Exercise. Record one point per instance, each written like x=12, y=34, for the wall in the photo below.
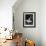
x=43, y=22
x=28, y=6
x=6, y=13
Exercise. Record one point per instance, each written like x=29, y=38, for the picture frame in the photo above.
x=13, y=22
x=29, y=19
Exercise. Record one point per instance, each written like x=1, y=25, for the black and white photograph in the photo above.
x=29, y=19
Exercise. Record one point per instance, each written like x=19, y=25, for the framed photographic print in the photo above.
x=29, y=19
